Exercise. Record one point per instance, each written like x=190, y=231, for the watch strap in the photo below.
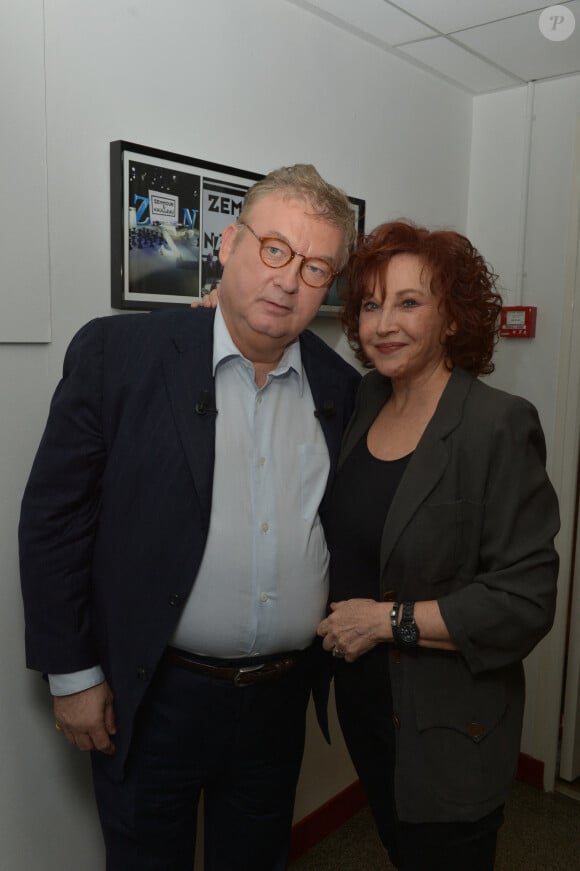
x=406, y=631
x=394, y=616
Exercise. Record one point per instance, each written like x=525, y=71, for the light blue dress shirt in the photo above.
x=263, y=583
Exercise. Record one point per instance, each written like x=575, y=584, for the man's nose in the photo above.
x=288, y=276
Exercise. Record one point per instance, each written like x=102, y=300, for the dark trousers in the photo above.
x=242, y=746
x=365, y=714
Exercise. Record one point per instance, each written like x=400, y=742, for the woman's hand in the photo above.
x=354, y=627
x=210, y=300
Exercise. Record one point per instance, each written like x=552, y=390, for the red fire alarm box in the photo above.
x=518, y=321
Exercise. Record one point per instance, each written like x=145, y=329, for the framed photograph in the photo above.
x=167, y=216
x=331, y=305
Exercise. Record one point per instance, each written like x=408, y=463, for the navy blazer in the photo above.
x=472, y=524
x=116, y=512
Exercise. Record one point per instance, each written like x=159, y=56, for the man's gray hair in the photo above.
x=303, y=181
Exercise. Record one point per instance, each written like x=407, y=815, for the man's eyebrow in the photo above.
x=276, y=234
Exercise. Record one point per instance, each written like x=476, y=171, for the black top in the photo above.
x=354, y=520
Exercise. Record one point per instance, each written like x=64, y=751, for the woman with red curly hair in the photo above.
x=443, y=568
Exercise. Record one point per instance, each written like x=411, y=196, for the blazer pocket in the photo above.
x=467, y=755
x=441, y=535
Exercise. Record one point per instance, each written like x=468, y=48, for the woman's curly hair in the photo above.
x=458, y=275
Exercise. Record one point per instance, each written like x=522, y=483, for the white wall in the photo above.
x=23, y=213
x=499, y=217
x=250, y=83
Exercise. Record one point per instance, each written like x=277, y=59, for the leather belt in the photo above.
x=245, y=676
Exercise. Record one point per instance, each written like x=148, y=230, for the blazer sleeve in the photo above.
x=509, y=606
x=59, y=515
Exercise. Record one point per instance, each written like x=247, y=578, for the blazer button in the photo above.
x=396, y=721
x=142, y=673
x=390, y=596
x=475, y=731
x=174, y=599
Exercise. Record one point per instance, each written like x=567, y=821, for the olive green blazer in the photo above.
x=472, y=525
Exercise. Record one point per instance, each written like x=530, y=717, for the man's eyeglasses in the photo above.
x=274, y=252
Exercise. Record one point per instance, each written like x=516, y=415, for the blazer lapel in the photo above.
x=328, y=396
x=428, y=462
x=430, y=458
x=424, y=470
x=187, y=367
x=372, y=395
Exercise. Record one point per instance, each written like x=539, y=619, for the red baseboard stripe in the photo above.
x=341, y=807
x=530, y=771
x=326, y=819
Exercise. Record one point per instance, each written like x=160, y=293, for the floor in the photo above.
x=572, y=790
x=541, y=833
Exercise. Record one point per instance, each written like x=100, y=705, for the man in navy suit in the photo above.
x=173, y=564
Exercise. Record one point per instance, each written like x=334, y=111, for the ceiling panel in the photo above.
x=491, y=44
x=374, y=17
x=456, y=63
x=448, y=16
x=517, y=45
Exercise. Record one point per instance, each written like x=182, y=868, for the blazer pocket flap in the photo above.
x=453, y=698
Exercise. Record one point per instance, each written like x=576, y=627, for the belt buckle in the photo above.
x=242, y=672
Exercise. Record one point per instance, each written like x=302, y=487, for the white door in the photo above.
x=570, y=746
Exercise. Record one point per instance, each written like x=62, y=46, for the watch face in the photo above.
x=408, y=633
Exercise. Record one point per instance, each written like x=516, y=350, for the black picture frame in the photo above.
x=167, y=214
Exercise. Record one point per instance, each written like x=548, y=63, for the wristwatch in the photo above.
x=405, y=633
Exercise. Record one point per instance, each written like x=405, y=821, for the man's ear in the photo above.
x=229, y=235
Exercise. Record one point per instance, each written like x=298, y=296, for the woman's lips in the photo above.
x=389, y=347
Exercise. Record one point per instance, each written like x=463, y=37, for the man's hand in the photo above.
x=87, y=719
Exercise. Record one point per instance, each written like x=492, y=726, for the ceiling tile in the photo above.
x=492, y=44
x=448, y=16
x=458, y=64
x=373, y=17
x=518, y=46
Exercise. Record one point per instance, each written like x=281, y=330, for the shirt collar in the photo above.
x=225, y=349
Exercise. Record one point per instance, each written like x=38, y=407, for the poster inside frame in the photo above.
x=331, y=304
x=167, y=215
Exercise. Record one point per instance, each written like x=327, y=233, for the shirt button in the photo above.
x=174, y=599
x=262, y=460
x=142, y=673
x=396, y=721
x=264, y=527
x=263, y=597
x=259, y=399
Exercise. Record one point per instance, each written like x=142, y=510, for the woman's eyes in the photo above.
x=371, y=305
